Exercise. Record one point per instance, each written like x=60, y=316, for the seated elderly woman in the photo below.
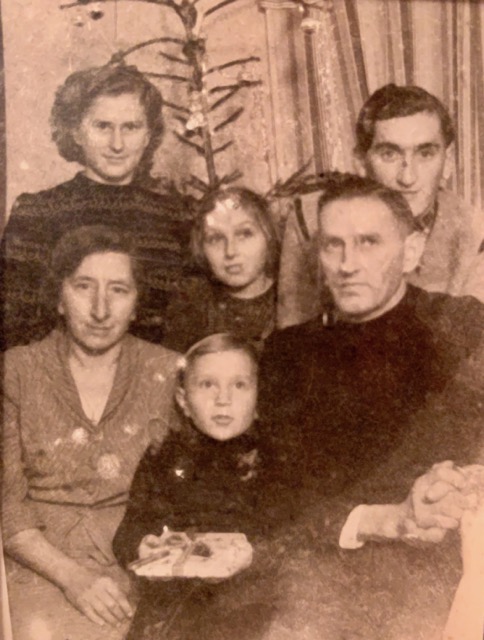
x=80, y=408
x=108, y=120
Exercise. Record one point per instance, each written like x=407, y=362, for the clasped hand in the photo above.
x=436, y=503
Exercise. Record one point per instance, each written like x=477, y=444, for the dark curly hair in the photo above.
x=76, y=95
x=392, y=101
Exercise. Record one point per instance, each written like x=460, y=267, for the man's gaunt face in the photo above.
x=409, y=155
x=364, y=253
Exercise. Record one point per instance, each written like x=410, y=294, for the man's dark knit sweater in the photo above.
x=37, y=222
x=400, y=392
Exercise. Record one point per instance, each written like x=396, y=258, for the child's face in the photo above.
x=220, y=394
x=236, y=250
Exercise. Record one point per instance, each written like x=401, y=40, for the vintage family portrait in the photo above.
x=242, y=320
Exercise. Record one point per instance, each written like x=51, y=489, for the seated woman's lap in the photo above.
x=39, y=609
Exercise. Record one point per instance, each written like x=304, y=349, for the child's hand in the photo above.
x=148, y=546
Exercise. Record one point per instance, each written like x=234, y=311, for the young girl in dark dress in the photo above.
x=235, y=241
x=214, y=476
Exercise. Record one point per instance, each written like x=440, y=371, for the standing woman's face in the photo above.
x=113, y=135
x=98, y=301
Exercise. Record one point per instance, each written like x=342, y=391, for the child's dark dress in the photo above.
x=202, y=307
x=195, y=482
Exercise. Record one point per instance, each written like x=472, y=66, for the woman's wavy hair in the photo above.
x=79, y=243
x=76, y=95
x=252, y=203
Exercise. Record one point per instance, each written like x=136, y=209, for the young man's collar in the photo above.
x=425, y=221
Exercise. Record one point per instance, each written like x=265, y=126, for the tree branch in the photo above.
x=122, y=54
x=200, y=150
x=231, y=91
x=175, y=107
x=199, y=184
x=84, y=3
x=232, y=118
x=223, y=147
x=224, y=98
x=220, y=67
x=218, y=6
x=166, y=76
x=241, y=83
x=167, y=56
x=235, y=175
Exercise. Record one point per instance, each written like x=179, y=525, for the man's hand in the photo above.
x=98, y=597
x=436, y=503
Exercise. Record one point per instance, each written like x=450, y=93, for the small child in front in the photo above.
x=211, y=476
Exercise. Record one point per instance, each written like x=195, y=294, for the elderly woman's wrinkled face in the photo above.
x=98, y=301
x=113, y=135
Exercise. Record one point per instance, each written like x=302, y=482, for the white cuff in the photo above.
x=348, y=538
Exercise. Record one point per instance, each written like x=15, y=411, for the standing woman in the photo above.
x=109, y=120
x=80, y=408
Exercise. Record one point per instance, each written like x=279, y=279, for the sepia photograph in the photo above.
x=242, y=319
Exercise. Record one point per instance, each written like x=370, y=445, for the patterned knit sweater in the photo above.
x=37, y=222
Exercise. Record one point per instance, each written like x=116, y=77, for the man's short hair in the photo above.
x=79, y=243
x=392, y=101
x=346, y=186
x=76, y=95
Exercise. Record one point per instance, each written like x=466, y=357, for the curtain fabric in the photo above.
x=354, y=47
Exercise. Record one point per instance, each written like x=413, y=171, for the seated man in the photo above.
x=366, y=397
x=405, y=141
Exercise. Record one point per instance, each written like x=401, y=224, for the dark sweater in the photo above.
x=363, y=409
x=37, y=222
x=202, y=307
